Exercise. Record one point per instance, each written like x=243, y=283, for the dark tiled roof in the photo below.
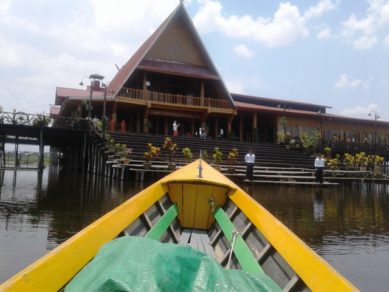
x=73, y=93
x=259, y=100
x=177, y=69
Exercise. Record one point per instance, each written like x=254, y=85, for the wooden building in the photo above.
x=171, y=77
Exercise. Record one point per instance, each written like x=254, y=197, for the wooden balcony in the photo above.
x=138, y=96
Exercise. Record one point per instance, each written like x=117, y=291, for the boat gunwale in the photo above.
x=103, y=229
x=291, y=248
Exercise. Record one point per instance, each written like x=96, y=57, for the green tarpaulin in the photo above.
x=140, y=264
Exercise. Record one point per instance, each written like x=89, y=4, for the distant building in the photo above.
x=172, y=77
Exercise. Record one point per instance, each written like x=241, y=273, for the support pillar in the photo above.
x=165, y=126
x=254, y=130
x=83, y=154
x=216, y=128
x=145, y=86
x=145, y=122
x=241, y=128
x=114, y=116
x=192, y=127
x=202, y=93
x=41, y=150
x=254, y=123
x=229, y=126
x=16, y=163
x=138, y=122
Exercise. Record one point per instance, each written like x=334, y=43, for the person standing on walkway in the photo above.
x=319, y=166
x=175, y=129
x=221, y=133
x=250, y=161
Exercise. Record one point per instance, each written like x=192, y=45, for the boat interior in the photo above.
x=216, y=226
x=199, y=207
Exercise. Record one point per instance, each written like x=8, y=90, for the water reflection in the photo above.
x=349, y=226
x=39, y=210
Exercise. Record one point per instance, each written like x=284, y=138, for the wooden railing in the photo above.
x=175, y=99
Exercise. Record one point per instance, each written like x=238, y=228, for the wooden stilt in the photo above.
x=41, y=163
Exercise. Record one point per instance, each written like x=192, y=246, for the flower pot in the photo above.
x=125, y=160
x=147, y=165
x=171, y=166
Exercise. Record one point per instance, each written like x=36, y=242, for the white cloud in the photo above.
x=4, y=5
x=285, y=27
x=324, y=34
x=243, y=51
x=366, y=32
x=387, y=40
x=365, y=42
x=360, y=111
x=345, y=82
x=9, y=54
x=40, y=53
x=322, y=7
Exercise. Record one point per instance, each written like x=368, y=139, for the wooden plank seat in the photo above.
x=197, y=239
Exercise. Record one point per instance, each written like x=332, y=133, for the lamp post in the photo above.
x=321, y=113
x=93, y=78
x=104, y=119
x=376, y=117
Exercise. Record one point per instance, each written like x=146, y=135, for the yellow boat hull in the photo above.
x=196, y=199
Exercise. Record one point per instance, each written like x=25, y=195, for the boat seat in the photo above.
x=197, y=239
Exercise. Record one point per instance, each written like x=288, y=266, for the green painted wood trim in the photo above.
x=163, y=223
x=242, y=252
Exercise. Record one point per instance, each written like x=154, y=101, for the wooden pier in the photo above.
x=134, y=169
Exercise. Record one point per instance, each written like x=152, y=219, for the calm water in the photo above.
x=348, y=226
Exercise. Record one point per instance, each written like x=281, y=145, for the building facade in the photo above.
x=171, y=77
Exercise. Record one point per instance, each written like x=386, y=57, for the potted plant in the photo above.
x=281, y=137
x=171, y=148
x=232, y=156
x=151, y=152
x=287, y=137
x=332, y=164
x=361, y=160
x=349, y=161
x=327, y=152
x=378, y=162
x=124, y=154
x=217, y=157
x=187, y=154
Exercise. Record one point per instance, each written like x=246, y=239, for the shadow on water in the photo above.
x=348, y=226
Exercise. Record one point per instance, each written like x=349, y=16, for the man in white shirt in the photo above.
x=319, y=165
x=250, y=161
x=221, y=133
x=175, y=129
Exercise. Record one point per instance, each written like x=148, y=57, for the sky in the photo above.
x=327, y=52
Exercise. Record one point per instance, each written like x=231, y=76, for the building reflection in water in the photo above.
x=39, y=210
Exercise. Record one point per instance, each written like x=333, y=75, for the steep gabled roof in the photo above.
x=138, y=59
